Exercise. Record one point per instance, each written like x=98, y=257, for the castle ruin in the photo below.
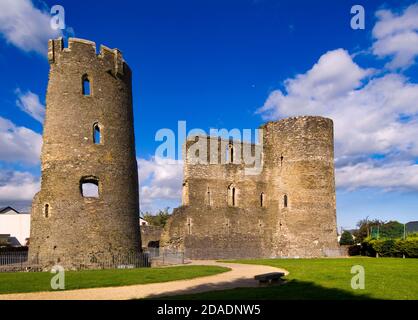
x=287, y=210
x=87, y=210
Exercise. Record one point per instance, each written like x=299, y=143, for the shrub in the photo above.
x=367, y=248
x=390, y=248
x=409, y=247
x=354, y=250
x=346, y=238
x=386, y=248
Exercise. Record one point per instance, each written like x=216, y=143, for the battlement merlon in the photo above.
x=231, y=140
x=87, y=47
x=217, y=146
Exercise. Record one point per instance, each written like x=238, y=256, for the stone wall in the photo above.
x=286, y=210
x=65, y=226
x=150, y=235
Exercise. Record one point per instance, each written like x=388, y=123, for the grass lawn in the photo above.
x=385, y=278
x=40, y=281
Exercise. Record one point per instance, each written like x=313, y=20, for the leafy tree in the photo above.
x=346, y=238
x=391, y=230
x=364, y=227
x=159, y=219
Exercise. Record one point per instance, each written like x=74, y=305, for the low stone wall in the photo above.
x=150, y=236
x=204, y=233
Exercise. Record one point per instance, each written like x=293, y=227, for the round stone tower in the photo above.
x=299, y=161
x=87, y=211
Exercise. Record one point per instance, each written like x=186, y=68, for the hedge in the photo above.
x=388, y=248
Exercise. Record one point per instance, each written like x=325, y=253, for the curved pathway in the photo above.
x=241, y=275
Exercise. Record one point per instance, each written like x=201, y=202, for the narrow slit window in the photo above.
x=86, y=86
x=46, y=210
x=89, y=187
x=189, y=225
x=231, y=154
x=227, y=154
x=262, y=200
x=232, y=196
x=208, y=197
x=185, y=196
x=97, y=135
x=285, y=200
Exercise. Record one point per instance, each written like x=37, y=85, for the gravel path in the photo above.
x=241, y=275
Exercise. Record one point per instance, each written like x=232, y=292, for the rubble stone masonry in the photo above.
x=288, y=210
x=89, y=97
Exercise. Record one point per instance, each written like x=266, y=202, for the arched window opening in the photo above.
x=285, y=201
x=46, y=210
x=153, y=244
x=229, y=153
x=89, y=187
x=97, y=135
x=86, y=86
x=262, y=199
x=232, y=196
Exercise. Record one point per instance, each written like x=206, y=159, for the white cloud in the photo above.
x=378, y=117
x=29, y=103
x=17, y=186
x=25, y=26
x=396, y=36
x=334, y=75
x=160, y=179
x=19, y=144
x=398, y=175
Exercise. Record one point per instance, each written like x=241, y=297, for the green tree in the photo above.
x=364, y=227
x=159, y=219
x=391, y=230
x=346, y=238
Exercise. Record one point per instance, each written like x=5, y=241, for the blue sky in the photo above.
x=234, y=64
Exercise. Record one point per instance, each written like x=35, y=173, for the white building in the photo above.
x=15, y=224
x=143, y=222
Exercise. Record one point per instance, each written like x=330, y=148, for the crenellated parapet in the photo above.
x=86, y=49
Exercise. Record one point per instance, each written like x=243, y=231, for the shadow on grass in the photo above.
x=246, y=289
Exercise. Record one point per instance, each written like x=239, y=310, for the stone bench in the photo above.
x=269, y=278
